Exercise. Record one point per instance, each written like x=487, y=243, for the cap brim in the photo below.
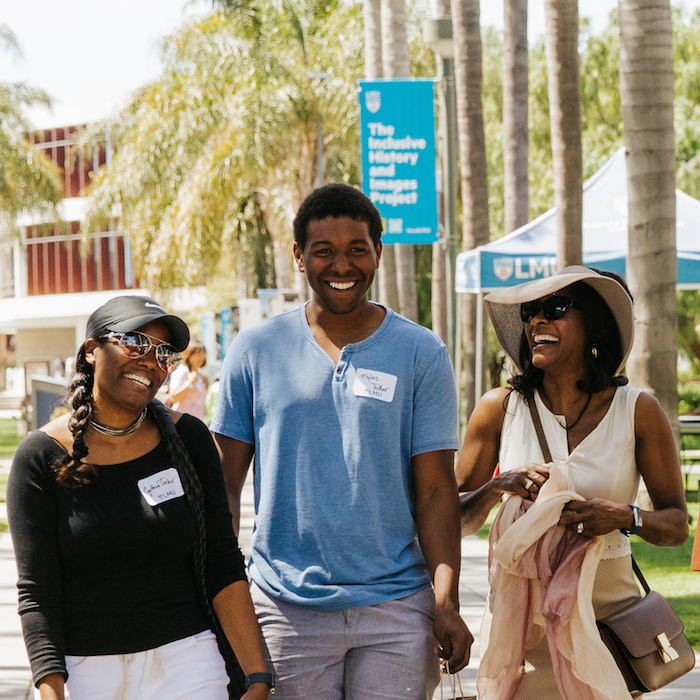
x=503, y=307
x=179, y=332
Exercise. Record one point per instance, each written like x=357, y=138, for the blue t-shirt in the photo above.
x=334, y=524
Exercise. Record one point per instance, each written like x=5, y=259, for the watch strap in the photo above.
x=636, y=528
x=258, y=678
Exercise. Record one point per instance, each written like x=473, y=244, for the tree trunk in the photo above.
x=396, y=64
x=388, y=289
x=515, y=127
x=440, y=270
x=646, y=89
x=472, y=155
x=561, y=45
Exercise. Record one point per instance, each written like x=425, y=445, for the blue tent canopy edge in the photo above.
x=530, y=252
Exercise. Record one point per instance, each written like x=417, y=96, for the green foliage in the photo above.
x=214, y=158
x=28, y=179
x=688, y=398
x=9, y=440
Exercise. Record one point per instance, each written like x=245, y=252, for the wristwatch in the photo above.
x=259, y=678
x=637, y=515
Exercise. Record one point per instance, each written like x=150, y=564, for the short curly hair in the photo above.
x=337, y=200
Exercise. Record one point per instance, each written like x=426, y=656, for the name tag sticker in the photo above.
x=374, y=385
x=161, y=487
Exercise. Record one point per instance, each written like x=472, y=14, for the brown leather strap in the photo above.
x=538, y=428
x=548, y=458
x=640, y=576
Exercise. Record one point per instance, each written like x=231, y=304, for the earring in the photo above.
x=594, y=351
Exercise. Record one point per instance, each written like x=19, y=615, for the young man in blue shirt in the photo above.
x=350, y=411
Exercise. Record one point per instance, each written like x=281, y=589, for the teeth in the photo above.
x=545, y=339
x=341, y=285
x=138, y=378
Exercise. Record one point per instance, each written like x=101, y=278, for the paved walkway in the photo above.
x=15, y=679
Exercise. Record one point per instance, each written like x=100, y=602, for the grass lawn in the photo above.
x=666, y=569
x=8, y=445
x=8, y=437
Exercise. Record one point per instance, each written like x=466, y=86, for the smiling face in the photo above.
x=557, y=343
x=126, y=383
x=339, y=260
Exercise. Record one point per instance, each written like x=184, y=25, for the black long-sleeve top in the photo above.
x=100, y=570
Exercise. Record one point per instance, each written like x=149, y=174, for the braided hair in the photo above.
x=180, y=458
x=72, y=471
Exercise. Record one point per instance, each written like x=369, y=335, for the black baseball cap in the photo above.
x=127, y=313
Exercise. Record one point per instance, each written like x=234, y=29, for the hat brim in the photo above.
x=503, y=307
x=179, y=332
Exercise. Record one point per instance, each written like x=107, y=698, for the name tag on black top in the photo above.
x=161, y=487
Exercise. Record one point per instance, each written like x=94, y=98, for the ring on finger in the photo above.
x=579, y=528
x=529, y=484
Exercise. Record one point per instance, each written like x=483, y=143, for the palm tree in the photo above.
x=388, y=289
x=472, y=153
x=561, y=44
x=515, y=126
x=29, y=181
x=397, y=64
x=215, y=157
x=646, y=87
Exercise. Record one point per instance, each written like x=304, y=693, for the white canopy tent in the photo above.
x=530, y=251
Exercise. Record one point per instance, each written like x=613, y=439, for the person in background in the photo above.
x=188, y=386
x=351, y=413
x=569, y=336
x=126, y=554
x=695, y=558
x=212, y=398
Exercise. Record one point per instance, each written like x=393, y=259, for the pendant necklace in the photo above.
x=119, y=432
x=580, y=415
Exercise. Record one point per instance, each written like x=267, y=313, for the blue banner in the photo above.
x=397, y=119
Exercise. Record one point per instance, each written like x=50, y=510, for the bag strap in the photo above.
x=530, y=401
x=548, y=458
x=182, y=461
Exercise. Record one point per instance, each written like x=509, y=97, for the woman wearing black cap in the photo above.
x=567, y=562
x=122, y=533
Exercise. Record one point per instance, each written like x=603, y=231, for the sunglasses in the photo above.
x=553, y=308
x=136, y=344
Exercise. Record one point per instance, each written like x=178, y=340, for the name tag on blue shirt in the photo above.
x=161, y=487
x=374, y=385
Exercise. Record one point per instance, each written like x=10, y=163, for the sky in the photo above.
x=88, y=55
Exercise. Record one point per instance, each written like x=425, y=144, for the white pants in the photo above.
x=188, y=668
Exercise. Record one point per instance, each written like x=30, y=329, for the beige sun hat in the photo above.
x=504, y=306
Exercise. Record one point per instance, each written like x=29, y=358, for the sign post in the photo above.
x=398, y=156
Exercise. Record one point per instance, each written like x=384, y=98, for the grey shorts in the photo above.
x=380, y=651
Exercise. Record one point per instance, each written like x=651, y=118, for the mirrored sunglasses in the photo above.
x=553, y=308
x=136, y=344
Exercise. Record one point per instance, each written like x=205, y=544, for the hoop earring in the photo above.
x=594, y=351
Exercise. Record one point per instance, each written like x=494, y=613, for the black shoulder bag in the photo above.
x=194, y=494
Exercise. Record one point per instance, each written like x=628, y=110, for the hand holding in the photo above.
x=595, y=516
x=525, y=482
x=454, y=638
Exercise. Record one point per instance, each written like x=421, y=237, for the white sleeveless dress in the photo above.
x=603, y=465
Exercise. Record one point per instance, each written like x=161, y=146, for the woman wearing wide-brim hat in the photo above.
x=568, y=337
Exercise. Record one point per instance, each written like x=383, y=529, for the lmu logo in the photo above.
x=373, y=100
x=503, y=268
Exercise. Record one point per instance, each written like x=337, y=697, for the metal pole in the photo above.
x=450, y=187
x=479, y=355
